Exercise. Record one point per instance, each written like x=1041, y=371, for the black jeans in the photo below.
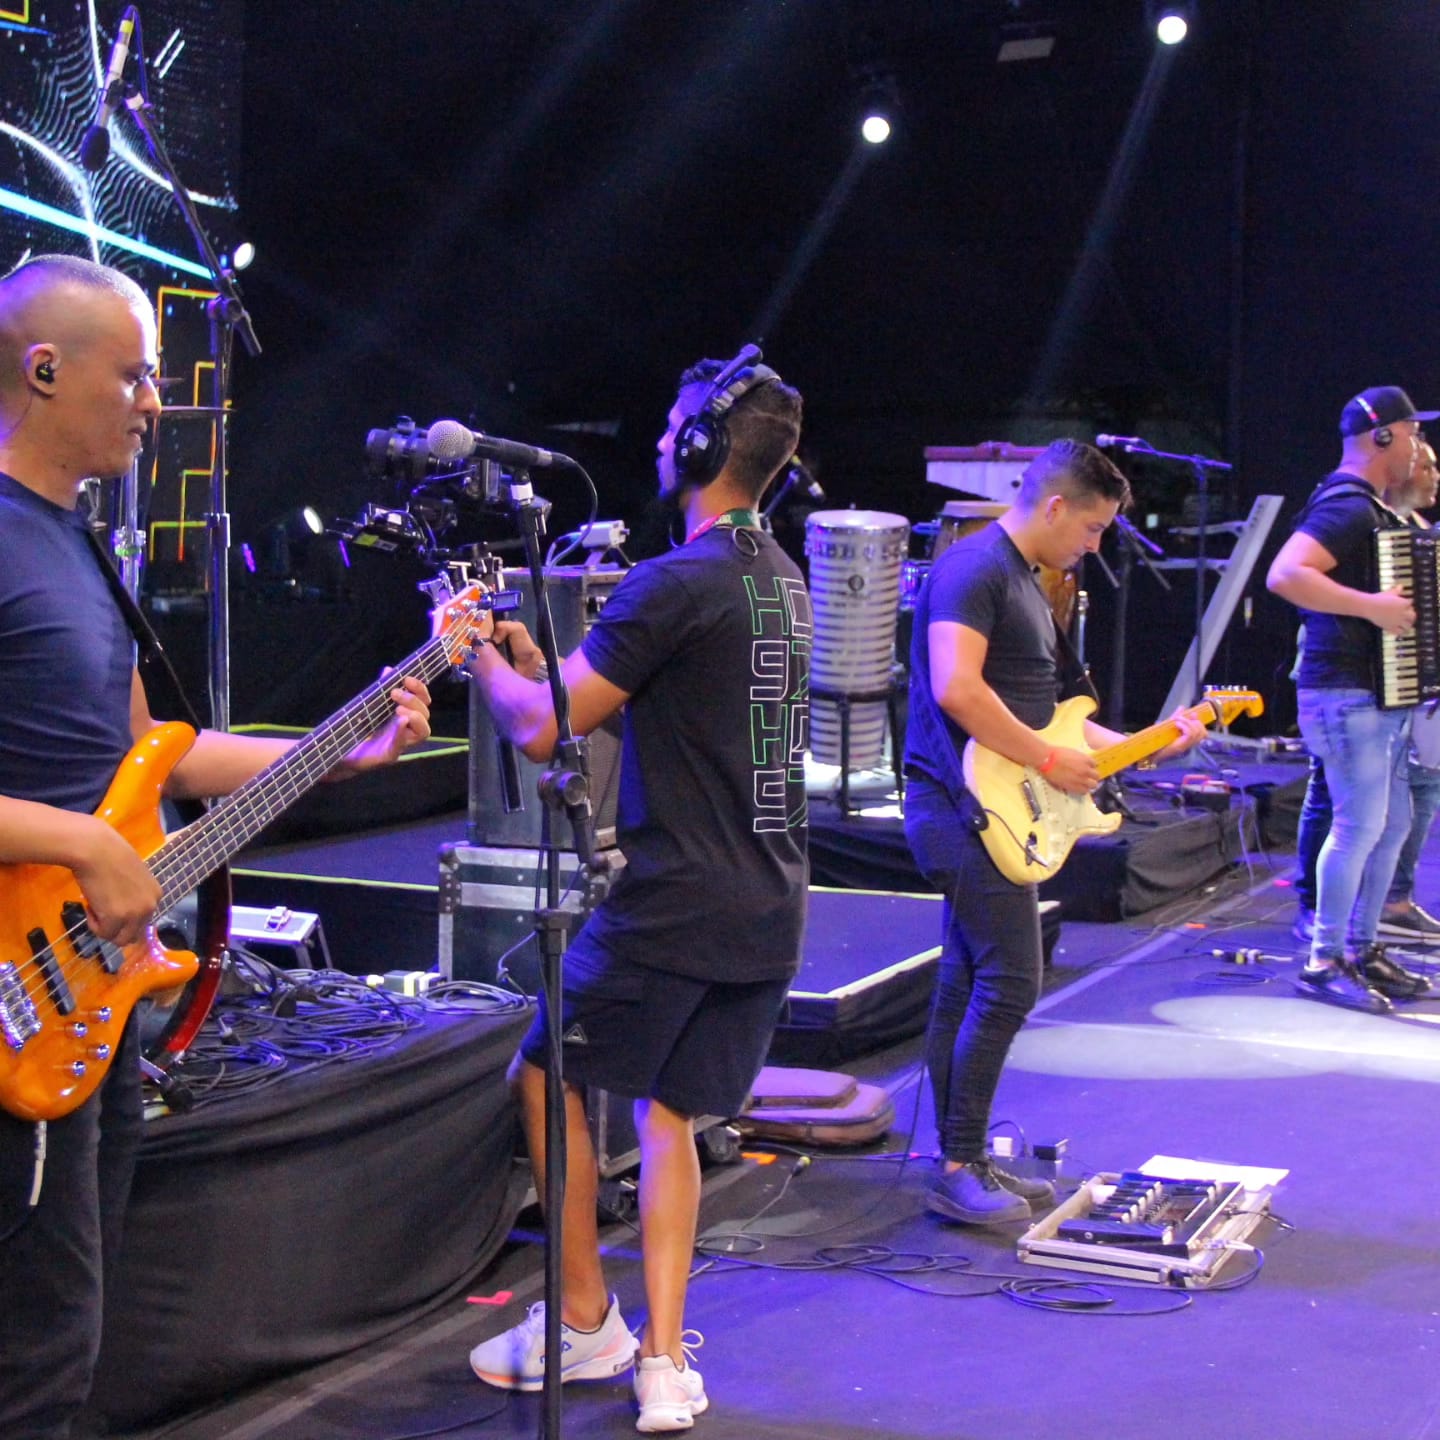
x=57, y=1257
x=990, y=969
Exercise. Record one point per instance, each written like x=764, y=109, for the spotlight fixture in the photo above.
x=879, y=111
x=243, y=257
x=286, y=543
x=1172, y=25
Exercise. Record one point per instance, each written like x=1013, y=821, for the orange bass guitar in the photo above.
x=65, y=994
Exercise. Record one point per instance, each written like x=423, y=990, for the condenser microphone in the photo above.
x=1121, y=442
x=450, y=440
x=802, y=479
x=95, y=143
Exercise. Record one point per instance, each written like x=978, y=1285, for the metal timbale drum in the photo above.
x=855, y=559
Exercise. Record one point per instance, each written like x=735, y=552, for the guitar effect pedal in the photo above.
x=1204, y=792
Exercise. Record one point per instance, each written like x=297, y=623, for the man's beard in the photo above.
x=661, y=525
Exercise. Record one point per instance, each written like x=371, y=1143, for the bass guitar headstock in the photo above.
x=467, y=595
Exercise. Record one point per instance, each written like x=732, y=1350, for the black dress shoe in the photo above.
x=1389, y=977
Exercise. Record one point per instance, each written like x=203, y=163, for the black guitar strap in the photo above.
x=1074, y=675
x=1353, y=487
x=153, y=659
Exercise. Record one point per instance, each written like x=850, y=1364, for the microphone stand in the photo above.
x=228, y=317
x=1201, y=466
x=1133, y=546
x=792, y=475
x=127, y=539
x=565, y=785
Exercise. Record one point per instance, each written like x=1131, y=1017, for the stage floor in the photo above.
x=1144, y=1042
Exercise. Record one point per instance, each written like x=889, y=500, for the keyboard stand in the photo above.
x=1234, y=570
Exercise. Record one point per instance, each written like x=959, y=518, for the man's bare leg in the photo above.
x=669, y=1209
x=585, y=1297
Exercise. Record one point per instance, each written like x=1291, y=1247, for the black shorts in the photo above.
x=694, y=1045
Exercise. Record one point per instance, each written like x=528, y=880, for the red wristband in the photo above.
x=1048, y=764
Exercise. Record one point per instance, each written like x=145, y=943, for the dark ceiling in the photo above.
x=528, y=214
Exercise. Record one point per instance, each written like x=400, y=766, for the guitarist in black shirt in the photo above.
x=983, y=667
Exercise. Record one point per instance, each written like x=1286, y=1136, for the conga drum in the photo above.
x=963, y=517
x=855, y=561
x=1061, y=587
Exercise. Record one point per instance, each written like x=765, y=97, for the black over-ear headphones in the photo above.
x=45, y=373
x=1382, y=435
x=703, y=441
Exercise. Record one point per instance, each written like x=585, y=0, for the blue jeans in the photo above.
x=1365, y=752
x=1424, y=801
x=1314, y=827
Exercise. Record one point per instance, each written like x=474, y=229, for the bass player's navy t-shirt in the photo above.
x=66, y=658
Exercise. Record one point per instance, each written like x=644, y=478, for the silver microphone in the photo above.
x=95, y=142
x=450, y=440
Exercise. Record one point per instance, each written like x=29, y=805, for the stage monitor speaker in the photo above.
x=577, y=595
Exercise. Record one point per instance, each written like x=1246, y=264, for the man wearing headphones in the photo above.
x=1402, y=916
x=1324, y=570
x=673, y=987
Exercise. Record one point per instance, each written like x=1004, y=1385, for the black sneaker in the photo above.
x=1039, y=1193
x=1410, y=922
x=1340, y=983
x=973, y=1195
x=1389, y=977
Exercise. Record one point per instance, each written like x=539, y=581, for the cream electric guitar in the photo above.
x=65, y=994
x=1033, y=826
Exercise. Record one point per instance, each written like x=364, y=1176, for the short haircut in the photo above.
x=763, y=425
x=36, y=277
x=1075, y=470
x=40, y=270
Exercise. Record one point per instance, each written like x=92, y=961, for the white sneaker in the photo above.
x=669, y=1397
x=515, y=1360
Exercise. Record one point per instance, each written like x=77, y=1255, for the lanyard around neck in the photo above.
x=735, y=519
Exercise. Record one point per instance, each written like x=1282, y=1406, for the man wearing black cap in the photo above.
x=1324, y=570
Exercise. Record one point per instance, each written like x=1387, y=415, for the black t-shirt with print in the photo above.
x=712, y=643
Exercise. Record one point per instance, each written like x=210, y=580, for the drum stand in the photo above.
x=842, y=700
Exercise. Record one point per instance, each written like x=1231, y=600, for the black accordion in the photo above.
x=1409, y=665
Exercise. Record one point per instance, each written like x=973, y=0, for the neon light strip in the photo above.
x=21, y=26
x=37, y=210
